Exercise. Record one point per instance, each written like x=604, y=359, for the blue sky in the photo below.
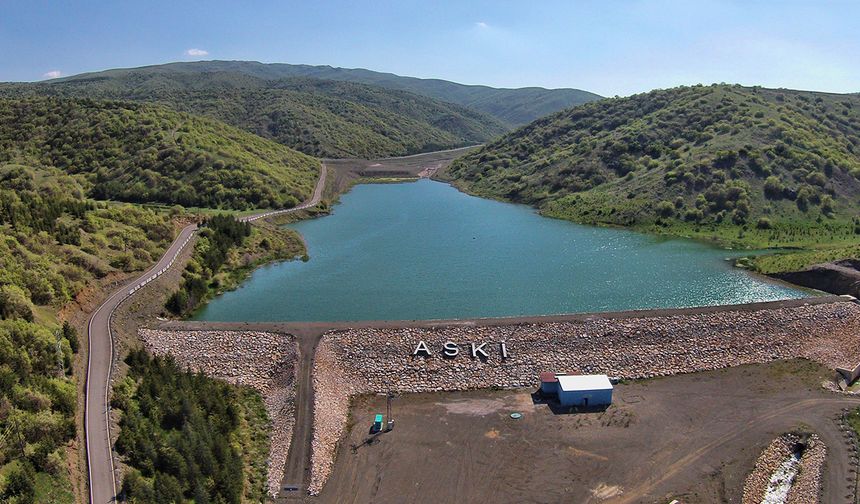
x=610, y=48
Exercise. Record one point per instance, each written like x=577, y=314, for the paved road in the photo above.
x=99, y=457
x=102, y=477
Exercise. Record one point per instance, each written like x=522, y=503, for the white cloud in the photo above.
x=53, y=74
x=196, y=52
x=482, y=25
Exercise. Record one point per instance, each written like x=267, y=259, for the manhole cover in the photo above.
x=516, y=416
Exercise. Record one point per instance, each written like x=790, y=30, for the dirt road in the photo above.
x=100, y=465
x=315, y=199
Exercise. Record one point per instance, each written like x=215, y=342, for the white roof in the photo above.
x=572, y=383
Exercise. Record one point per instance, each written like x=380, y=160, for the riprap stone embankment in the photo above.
x=261, y=360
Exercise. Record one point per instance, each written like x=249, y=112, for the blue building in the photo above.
x=548, y=384
x=584, y=390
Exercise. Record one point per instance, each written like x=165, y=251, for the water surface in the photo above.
x=426, y=251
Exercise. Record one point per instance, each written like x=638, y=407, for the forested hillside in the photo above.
x=318, y=117
x=150, y=154
x=755, y=167
x=53, y=243
x=189, y=438
x=513, y=107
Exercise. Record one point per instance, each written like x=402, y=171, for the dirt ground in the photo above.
x=690, y=437
x=343, y=173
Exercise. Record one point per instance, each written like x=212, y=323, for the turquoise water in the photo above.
x=425, y=250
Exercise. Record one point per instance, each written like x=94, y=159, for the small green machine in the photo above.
x=377, y=424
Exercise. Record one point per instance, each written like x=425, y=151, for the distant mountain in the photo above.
x=317, y=117
x=759, y=167
x=144, y=153
x=514, y=107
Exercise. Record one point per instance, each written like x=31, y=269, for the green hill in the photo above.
x=150, y=154
x=317, y=117
x=513, y=107
x=749, y=166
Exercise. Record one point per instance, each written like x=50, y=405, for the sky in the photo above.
x=607, y=47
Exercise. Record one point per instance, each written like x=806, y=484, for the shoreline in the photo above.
x=302, y=216
x=320, y=327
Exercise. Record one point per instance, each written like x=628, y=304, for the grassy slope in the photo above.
x=317, y=117
x=145, y=153
x=746, y=167
x=511, y=106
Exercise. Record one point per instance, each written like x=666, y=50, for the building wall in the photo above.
x=577, y=398
x=549, y=388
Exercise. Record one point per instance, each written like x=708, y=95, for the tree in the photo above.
x=665, y=209
x=14, y=303
x=773, y=187
x=827, y=205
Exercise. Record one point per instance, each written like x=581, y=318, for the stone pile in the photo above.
x=369, y=360
x=768, y=462
x=261, y=360
x=806, y=487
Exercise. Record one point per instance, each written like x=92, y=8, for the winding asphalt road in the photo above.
x=100, y=466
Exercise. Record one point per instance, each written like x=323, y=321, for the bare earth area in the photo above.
x=692, y=437
x=346, y=172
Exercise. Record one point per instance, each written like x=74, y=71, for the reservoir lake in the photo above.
x=424, y=250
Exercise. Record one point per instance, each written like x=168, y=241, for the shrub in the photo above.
x=665, y=209
x=764, y=223
x=14, y=303
x=773, y=187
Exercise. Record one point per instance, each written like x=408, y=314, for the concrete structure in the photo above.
x=584, y=390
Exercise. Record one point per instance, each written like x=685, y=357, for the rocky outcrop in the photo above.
x=369, y=360
x=840, y=277
x=261, y=360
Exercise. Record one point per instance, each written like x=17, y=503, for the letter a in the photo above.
x=421, y=349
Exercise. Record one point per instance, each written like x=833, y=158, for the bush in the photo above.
x=71, y=334
x=15, y=304
x=764, y=223
x=773, y=187
x=21, y=484
x=665, y=209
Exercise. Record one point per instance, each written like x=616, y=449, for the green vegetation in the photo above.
x=511, y=106
x=225, y=253
x=219, y=234
x=54, y=241
x=37, y=410
x=317, y=117
x=746, y=167
x=53, y=244
x=188, y=437
x=144, y=153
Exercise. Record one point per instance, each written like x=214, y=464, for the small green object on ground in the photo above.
x=516, y=416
